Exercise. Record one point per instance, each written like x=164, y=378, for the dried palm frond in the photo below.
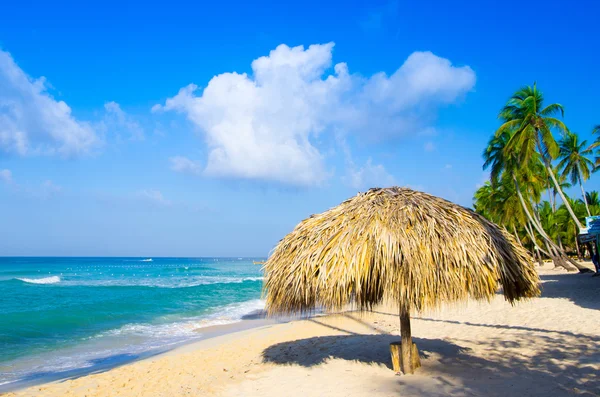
x=395, y=244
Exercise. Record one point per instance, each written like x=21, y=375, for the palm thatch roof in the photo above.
x=395, y=244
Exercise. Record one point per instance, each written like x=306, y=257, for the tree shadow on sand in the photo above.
x=370, y=349
x=581, y=289
x=531, y=364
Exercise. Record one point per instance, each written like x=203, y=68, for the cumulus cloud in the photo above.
x=117, y=122
x=5, y=176
x=32, y=121
x=185, y=165
x=264, y=126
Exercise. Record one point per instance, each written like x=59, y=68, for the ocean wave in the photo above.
x=188, y=327
x=129, y=341
x=146, y=260
x=45, y=280
x=163, y=282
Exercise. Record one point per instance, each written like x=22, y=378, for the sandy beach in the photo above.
x=547, y=346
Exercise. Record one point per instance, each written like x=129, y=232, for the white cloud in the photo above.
x=185, y=165
x=5, y=176
x=118, y=122
x=368, y=176
x=264, y=126
x=32, y=121
x=448, y=166
x=429, y=146
x=154, y=196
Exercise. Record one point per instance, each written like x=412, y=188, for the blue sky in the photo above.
x=112, y=141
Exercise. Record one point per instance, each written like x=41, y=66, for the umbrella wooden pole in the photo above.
x=406, y=342
x=405, y=355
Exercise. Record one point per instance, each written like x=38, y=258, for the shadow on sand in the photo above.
x=556, y=369
x=370, y=349
x=580, y=288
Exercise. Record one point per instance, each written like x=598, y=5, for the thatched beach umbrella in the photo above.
x=395, y=245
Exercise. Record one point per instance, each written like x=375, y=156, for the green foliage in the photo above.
x=574, y=162
x=524, y=152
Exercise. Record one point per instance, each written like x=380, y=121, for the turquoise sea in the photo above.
x=58, y=315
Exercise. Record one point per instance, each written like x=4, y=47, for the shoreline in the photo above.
x=249, y=321
x=543, y=346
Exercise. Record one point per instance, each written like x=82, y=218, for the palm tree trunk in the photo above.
x=583, y=193
x=539, y=228
x=550, y=197
x=577, y=245
x=560, y=242
x=536, y=248
x=562, y=195
x=517, y=235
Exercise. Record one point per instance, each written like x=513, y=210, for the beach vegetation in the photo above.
x=533, y=155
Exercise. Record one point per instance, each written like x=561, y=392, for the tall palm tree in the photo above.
x=532, y=123
x=529, y=180
x=505, y=166
x=575, y=162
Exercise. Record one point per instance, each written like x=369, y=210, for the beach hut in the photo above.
x=395, y=245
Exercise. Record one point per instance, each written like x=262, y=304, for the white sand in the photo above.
x=548, y=346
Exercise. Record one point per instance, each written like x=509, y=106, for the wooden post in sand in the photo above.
x=405, y=355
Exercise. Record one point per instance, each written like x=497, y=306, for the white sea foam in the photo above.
x=45, y=280
x=146, y=260
x=164, y=282
x=130, y=340
x=188, y=327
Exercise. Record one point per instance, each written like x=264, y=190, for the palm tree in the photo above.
x=528, y=183
x=570, y=228
x=499, y=203
x=494, y=154
x=548, y=219
x=532, y=124
x=575, y=162
x=529, y=180
x=593, y=200
x=485, y=203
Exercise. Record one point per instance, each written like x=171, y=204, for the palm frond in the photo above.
x=399, y=245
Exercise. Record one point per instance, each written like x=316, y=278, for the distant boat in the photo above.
x=147, y=260
x=258, y=262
